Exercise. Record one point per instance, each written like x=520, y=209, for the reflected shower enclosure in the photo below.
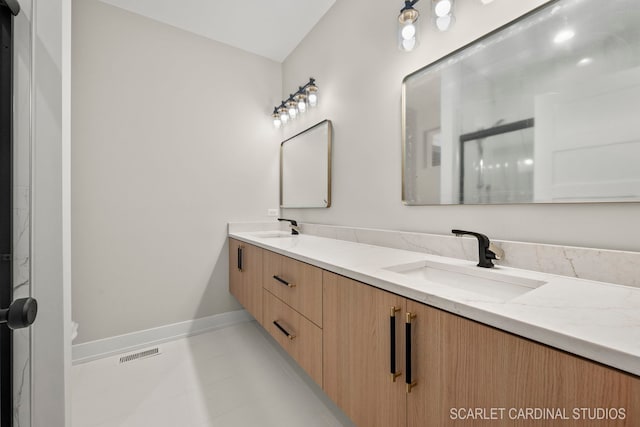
x=497, y=164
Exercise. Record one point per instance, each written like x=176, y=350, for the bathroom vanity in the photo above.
x=399, y=338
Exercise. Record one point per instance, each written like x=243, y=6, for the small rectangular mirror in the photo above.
x=544, y=110
x=305, y=168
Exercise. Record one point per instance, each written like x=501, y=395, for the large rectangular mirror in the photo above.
x=305, y=168
x=544, y=110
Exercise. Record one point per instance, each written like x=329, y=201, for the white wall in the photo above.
x=352, y=53
x=171, y=139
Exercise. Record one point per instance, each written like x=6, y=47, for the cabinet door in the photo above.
x=245, y=276
x=357, y=352
x=464, y=364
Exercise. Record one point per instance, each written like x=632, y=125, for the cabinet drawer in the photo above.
x=297, y=335
x=296, y=283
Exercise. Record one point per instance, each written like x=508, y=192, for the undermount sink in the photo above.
x=490, y=284
x=272, y=234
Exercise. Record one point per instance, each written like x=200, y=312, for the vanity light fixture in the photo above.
x=296, y=103
x=407, y=30
x=443, y=18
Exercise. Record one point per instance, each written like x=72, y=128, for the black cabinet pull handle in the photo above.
x=392, y=343
x=284, y=282
x=283, y=330
x=409, y=380
x=240, y=253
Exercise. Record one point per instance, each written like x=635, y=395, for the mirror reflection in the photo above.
x=543, y=110
x=305, y=168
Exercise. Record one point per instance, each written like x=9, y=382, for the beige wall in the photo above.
x=352, y=53
x=170, y=140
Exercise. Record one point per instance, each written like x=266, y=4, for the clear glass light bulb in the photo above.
x=277, y=122
x=408, y=31
x=409, y=44
x=284, y=117
x=302, y=106
x=442, y=8
x=313, y=99
x=444, y=22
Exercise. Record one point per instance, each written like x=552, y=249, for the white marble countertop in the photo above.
x=596, y=320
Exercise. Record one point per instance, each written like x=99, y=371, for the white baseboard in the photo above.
x=92, y=350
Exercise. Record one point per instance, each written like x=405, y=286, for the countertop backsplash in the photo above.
x=620, y=267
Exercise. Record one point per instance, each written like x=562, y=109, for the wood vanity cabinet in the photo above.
x=457, y=365
x=346, y=335
x=245, y=276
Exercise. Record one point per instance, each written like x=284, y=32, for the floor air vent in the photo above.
x=140, y=355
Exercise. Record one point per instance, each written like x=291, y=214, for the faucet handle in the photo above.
x=497, y=251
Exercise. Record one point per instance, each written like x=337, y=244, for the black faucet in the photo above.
x=294, y=225
x=486, y=250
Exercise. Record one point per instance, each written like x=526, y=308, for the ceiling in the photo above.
x=269, y=28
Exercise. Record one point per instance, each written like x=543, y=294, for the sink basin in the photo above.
x=272, y=234
x=485, y=282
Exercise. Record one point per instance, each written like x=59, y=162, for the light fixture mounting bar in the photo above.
x=289, y=108
x=408, y=4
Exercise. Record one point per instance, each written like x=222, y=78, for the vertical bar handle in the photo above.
x=409, y=380
x=240, y=257
x=392, y=343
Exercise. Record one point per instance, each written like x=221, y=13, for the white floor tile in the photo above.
x=235, y=376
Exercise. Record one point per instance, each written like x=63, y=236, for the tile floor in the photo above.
x=234, y=376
